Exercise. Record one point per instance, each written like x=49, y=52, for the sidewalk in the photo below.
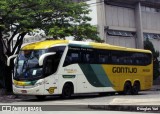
x=129, y=104
x=6, y=97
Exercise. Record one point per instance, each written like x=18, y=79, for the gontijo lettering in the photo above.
x=124, y=70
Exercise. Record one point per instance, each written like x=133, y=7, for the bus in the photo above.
x=64, y=67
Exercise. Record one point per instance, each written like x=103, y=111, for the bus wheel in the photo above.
x=67, y=91
x=136, y=88
x=127, y=88
x=103, y=93
x=41, y=97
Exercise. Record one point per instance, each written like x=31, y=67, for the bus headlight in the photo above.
x=39, y=82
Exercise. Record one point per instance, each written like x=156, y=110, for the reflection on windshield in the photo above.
x=27, y=66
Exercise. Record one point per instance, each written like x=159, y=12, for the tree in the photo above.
x=58, y=18
x=149, y=46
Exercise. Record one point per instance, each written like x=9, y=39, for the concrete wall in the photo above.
x=121, y=41
x=101, y=19
x=120, y=18
x=139, y=18
x=151, y=20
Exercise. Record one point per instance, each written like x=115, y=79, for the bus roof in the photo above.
x=44, y=44
x=50, y=43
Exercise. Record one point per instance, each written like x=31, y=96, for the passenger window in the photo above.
x=88, y=56
x=73, y=56
x=103, y=56
x=51, y=64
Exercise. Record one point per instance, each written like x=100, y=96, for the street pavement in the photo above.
x=151, y=105
x=137, y=103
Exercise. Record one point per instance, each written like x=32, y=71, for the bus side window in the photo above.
x=68, y=59
x=115, y=57
x=103, y=56
x=49, y=66
x=71, y=58
x=141, y=58
x=75, y=57
x=88, y=56
x=102, y=59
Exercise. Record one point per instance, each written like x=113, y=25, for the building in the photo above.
x=129, y=22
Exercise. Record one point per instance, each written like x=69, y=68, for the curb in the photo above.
x=133, y=108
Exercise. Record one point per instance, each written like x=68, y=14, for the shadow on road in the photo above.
x=74, y=97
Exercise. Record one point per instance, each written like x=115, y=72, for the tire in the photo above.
x=67, y=91
x=103, y=94
x=135, y=88
x=40, y=97
x=111, y=93
x=127, y=88
x=107, y=93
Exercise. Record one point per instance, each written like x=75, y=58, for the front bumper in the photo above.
x=25, y=90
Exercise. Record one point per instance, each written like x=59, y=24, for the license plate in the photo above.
x=23, y=91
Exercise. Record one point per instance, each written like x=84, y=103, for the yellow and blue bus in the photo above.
x=63, y=67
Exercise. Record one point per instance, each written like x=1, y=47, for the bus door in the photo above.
x=50, y=68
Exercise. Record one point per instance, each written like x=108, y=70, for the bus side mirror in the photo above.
x=9, y=59
x=42, y=57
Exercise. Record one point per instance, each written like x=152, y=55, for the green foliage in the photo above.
x=58, y=18
x=149, y=46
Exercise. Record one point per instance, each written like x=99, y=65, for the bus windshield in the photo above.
x=27, y=66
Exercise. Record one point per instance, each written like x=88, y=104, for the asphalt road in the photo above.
x=77, y=102
x=85, y=99
x=76, y=112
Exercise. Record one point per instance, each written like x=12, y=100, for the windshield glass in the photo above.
x=27, y=66
x=27, y=63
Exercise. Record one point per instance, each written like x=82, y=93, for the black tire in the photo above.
x=106, y=93
x=67, y=91
x=127, y=88
x=103, y=93
x=111, y=93
x=135, y=88
x=40, y=97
